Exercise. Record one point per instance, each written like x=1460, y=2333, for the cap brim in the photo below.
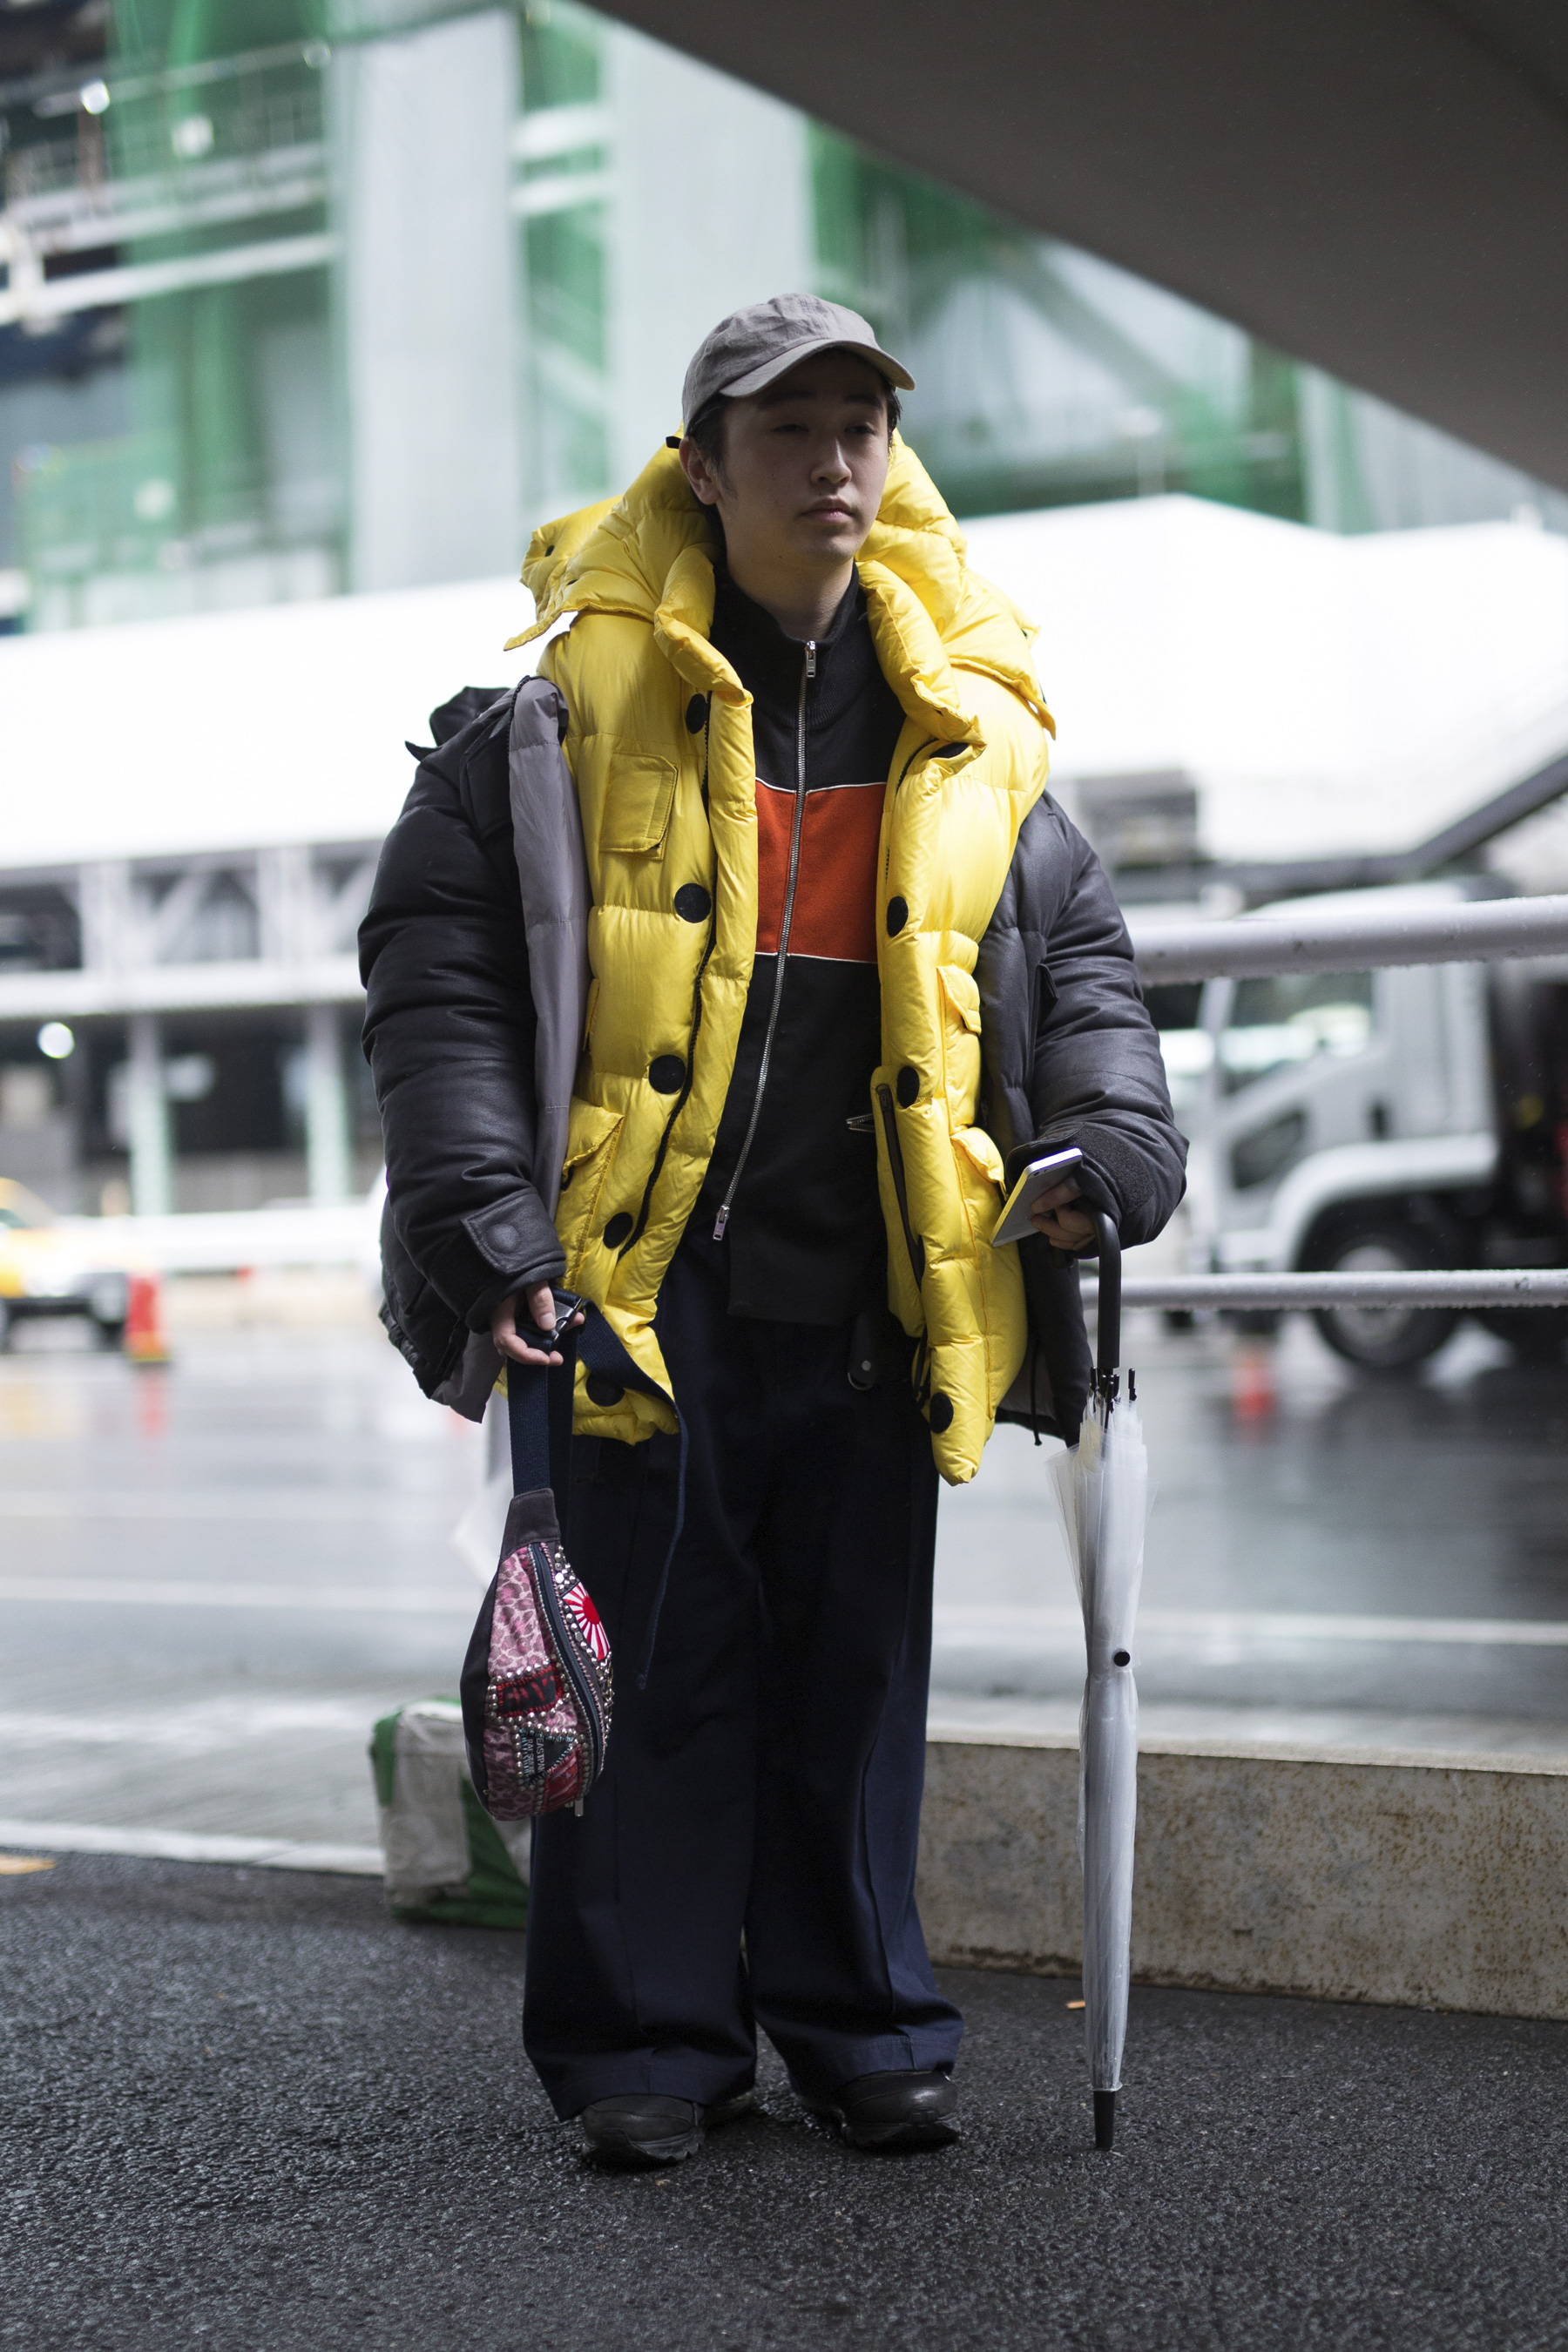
x=758, y=379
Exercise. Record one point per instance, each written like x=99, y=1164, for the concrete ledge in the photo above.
x=1428, y=1881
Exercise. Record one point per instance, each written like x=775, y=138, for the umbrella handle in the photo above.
x=1108, y=1353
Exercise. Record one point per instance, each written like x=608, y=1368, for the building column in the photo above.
x=150, y=1136
x=423, y=129
x=329, y=1155
x=733, y=173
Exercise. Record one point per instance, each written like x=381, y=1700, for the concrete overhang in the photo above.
x=1382, y=191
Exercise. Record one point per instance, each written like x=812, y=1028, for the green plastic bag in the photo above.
x=446, y=1860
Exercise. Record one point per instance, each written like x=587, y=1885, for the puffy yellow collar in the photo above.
x=649, y=555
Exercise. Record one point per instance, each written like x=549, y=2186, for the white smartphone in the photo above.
x=1014, y=1224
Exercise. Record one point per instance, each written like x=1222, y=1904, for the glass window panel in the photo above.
x=1292, y=1018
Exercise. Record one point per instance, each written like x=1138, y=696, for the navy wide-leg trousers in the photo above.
x=748, y=1856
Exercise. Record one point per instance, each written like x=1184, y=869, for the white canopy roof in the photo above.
x=1323, y=693
x=226, y=730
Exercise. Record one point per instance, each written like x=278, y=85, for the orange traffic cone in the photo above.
x=1254, y=1389
x=145, y=1340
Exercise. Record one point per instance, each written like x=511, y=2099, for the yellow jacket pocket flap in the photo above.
x=638, y=798
x=592, y=1127
x=963, y=992
x=979, y=1150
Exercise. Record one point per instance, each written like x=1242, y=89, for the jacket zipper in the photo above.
x=566, y=1657
x=808, y=671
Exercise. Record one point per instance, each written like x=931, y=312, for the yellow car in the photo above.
x=45, y=1269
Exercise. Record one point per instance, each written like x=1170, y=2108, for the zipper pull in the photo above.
x=811, y=656
x=720, y=1222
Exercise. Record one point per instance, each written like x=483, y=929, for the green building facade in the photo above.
x=306, y=296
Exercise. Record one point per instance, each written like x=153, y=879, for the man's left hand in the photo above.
x=1066, y=1228
x=538, y=1303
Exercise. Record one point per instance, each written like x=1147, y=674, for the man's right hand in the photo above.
x=1065, y=1228
x=538, y=1307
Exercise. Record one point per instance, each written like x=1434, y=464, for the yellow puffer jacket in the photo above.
x=667, y=802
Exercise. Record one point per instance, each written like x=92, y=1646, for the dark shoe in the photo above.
x=640, y=2129
x=887, y=2112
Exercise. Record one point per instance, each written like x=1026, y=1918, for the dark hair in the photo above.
x=707, y=427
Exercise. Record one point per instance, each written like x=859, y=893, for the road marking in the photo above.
x=954, y=1628
x=218, y=1503
x=181, y=1845
x=957, y=1628
x=170, y=1592
x=205, y=1726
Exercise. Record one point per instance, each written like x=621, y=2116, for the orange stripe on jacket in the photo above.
x=835, y=914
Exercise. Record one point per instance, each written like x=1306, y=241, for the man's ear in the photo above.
x=699, y=473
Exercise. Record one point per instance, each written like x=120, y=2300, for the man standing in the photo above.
x=848, y=959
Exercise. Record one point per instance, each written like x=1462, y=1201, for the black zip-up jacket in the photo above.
x=792, y=1185
x=1068, y=1054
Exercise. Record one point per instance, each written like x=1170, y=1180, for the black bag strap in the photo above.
x=538, y=1412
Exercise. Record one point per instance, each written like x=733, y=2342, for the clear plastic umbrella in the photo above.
x=1102, y=1491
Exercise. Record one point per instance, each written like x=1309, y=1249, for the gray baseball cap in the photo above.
x=747, y=350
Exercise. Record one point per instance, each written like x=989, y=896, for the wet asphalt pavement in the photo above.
x=245, y=2111
x=215, y=1577
x=1286, y=1485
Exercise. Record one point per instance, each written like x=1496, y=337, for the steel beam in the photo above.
x=91, y=290
x=151, y=1142
x=328, y=1151
x=179, y=988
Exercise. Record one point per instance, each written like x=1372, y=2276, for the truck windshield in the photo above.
x=1290, y=1018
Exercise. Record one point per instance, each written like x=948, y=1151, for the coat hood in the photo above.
x=650, y=554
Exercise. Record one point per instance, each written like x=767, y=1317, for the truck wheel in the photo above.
x=1254, y=1322
x=1537, y=1335
x=1382, y=1339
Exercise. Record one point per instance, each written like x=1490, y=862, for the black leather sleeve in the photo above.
x=450, y=1033
x=1077, y=1059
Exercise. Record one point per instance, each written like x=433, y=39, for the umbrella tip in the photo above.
x=1104, y=2118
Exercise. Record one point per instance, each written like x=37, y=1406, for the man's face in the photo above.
x=804, y=465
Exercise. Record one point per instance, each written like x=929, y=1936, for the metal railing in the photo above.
x=1507, y=1286
x=1348, y=938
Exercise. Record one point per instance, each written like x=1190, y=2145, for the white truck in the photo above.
x=1376, y=1120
